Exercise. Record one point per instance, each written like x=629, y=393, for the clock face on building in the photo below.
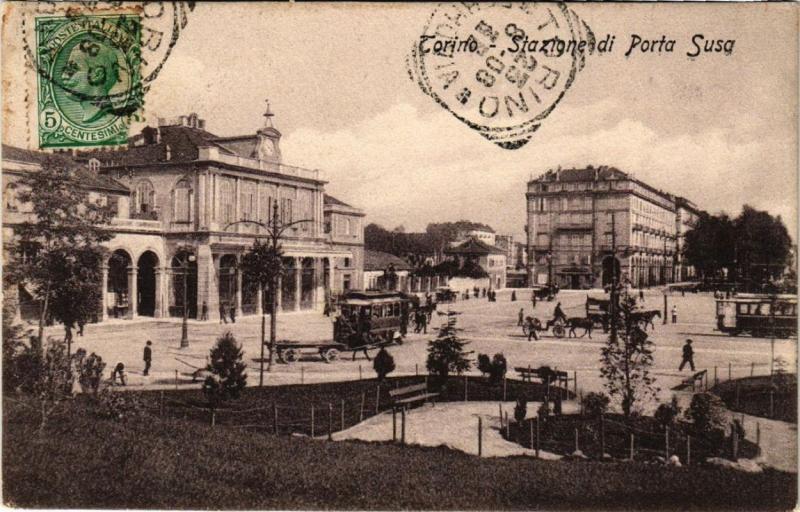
x=267, y=148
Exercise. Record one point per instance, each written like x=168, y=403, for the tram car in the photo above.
x=370, y=317
x=758, y=315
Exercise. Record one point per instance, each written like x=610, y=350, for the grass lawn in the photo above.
x=754, y=396
x=168, y=462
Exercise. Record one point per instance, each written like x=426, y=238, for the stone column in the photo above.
x=207, y=282
x=202, y=217
x=104, y=293
x=133, y=293
x=331, y=275
x=238, y=293
x=158, y=311
x=259, y=300
x=298, y=282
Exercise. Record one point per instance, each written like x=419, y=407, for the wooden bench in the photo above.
x=528, y=374
x=692, y=380
x=402, y=397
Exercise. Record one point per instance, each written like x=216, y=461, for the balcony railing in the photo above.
x=137, y=224
x=214, y=154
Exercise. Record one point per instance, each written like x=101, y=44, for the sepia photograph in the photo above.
x=399, y=256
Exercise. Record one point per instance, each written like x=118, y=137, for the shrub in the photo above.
x=90, y=370
x=118, y=406
x=707, y=413
x=595, y=404
x=484, y=364
x=383, y=363
x=498, y=368
x=544, y=410
x=520, y=410
x=666, y=413
x=227, y=377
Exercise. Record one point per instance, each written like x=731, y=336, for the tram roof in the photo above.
x=760, y=297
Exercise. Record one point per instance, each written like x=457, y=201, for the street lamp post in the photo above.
x=185, y=325
x=275, y=229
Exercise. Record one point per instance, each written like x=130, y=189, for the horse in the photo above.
x=584, y=323
x=645, y=317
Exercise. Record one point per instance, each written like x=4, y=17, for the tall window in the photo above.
x=286, y=210
x=227, y=202
x=144, y=200
x=248, y=200
x=266, y=198
x=182, y=201
x=12, y=203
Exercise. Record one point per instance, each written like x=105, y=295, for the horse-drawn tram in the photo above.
x=367, y=320
x=758, y=315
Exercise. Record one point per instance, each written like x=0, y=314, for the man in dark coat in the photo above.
x=148, y=357
x=688, y=356
x=559, y=313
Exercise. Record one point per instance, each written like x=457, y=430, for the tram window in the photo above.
x=763, y=309
x=741, y=309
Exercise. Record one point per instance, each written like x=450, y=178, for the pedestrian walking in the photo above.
x=222, y=315
x=521, y=317
x=119, y=371
x=533, y=298
x=81, y=324
x=424, y=319
x=641, y=294
x=148, y=357
x=204, y=311
x=513, y=295
x=688, y=356
x=532, y=329
x=674, y=314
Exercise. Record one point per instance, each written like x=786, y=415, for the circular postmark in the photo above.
x=500, y=68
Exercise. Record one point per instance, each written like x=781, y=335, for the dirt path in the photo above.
x=454, y=425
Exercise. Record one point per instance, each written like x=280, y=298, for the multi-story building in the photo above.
x=686, y=216
x=585, y=225
x=485, y=234
x=491, y=259
x=506, y=244
x=188, y=206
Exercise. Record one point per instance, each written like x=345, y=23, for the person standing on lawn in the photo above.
x=688, y=356
x=148, y=357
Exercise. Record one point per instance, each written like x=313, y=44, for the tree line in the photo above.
x=752, y=248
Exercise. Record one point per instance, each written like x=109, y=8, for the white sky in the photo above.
x=718, y=130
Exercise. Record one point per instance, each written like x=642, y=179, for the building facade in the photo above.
x=192, y=203
x=586, y=225
x=491, y=259
x=686, y=216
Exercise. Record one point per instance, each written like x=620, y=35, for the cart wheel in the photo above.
x=289, y=355
x=558, y=331
x=329, y=355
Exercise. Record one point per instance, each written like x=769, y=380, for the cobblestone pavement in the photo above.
x=491, y=327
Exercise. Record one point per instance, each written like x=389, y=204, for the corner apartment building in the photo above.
x=584, y=225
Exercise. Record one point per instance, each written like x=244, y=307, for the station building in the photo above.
x=188, y=204
x=570, y=214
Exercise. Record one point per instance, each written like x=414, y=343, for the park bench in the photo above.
x=402, y=397
x=528, y=374
x=693, y=379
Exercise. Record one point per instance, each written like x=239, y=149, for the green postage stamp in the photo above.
x=89, y=79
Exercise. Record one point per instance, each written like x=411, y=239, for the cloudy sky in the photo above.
x=720, y=130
